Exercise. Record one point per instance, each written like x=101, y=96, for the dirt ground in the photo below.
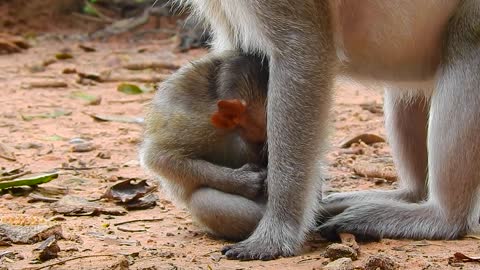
x=40, y=124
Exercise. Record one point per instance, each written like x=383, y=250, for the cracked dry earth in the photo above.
x=38, y=123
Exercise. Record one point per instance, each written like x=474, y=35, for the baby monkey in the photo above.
x=206, y=138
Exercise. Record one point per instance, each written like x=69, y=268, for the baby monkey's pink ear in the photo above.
x=229, y=113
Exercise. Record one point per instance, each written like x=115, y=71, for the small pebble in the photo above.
x=381, y=262
x=82, y=147
x=77, y=141
x=69, y=71
x=340, y=264
x=7, y=196
x=337, y=251
x=104, y=155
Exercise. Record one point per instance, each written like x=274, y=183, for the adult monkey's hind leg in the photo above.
x=299, y=95
x=406, y=120
x=452, y=208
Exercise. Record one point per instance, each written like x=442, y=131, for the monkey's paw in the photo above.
x=250, y=181
x=254, y=250
x=394, y=219
x=266, y=243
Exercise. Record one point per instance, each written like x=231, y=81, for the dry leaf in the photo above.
x=47, y=250
x=464, y=258
x=75, y=206
x=24, y=229
x=128, y=190
x=149, y=201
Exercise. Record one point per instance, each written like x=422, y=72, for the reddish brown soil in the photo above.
x=28, y=17
x=174, y=242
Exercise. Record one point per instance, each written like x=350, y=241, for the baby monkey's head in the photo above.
x=242, y=86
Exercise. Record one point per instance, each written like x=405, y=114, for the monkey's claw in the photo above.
x=251, y=250
x=239, y=252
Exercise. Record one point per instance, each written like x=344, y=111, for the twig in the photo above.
x=8, y=158
x=89, y=18
x=308, y=259
x=40, y=198
x=135, y=78
x=472, y=236
x=45, y=84
x=81, y=169
x=74, y=258
x=99, y=13
x=11, y=177
x=150, y=65
x=123, y=26
x=422, y=243
x=124, y=101
x=137, y=220
x=123, y=229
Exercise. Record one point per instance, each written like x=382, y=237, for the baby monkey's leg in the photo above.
x=227, y=215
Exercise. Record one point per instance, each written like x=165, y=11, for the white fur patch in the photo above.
x=233, y=23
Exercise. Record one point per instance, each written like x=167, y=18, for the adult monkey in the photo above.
x=307, y=42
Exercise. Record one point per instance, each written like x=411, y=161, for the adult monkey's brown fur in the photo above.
x=427, y=51
x=205, y=136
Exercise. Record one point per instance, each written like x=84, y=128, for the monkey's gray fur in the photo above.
x=432, y=65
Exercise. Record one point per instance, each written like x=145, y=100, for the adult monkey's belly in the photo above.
x=391, y=40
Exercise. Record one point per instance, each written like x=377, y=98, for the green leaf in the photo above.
x=89, y=9
x=30, y=180
x=51, y=115
x=55, y=138
x=129, y=89
x=58, y=113
x=90, y=99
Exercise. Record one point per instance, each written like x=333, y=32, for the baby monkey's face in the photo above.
x=248, y=119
